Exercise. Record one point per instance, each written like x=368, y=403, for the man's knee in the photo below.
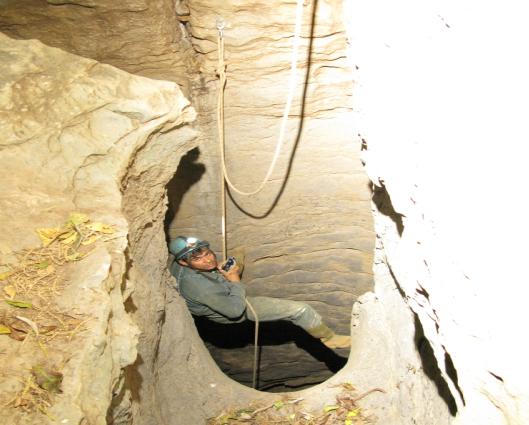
x=300, y=309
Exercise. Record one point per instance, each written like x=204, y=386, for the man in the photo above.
x=220, y=296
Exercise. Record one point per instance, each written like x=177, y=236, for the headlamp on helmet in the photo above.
x=183, y=247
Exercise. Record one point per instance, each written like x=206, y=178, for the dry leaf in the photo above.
x=18, y=327
x=78, y=218
x=31, y=324
x=101, y=227
x=19, y=304
x=91, y=239
x=47, y=379
x=17, y=335
x=4, y=330
x=353, y=413
x=278, y=404
x=48, y=235
x=10, y=291
x=69, y=238
x=5, y=275
x=348, y=386
x=43, y=264
x=48, y=270
x=73, y=257
x=47, y=328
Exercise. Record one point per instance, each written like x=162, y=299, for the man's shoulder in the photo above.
x=174, y=267
x=190, y=281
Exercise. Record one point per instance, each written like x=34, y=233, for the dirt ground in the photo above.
x=42, y=321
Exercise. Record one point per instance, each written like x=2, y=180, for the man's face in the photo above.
x=203, y=260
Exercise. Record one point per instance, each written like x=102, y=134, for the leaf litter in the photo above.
x=29, y=310
x=287, y=411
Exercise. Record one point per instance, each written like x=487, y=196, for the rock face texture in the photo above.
x=142, y=37
x=433, y=108
x=302, y=236
x=78, y=136
x=308, y=235
x=449, y=154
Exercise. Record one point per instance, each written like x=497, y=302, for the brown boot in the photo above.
x=329, y=338
x=337, y=341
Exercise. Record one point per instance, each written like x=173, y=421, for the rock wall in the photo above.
x=308, y=235
x=311, y=237
x=140, y=36
x=79, y=136
x=439, y=98
x=436, y=95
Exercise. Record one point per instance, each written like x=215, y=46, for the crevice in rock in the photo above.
x=452, y=374
x=431, y=368
x=382, y=200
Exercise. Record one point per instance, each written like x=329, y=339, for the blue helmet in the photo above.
x=182, y=246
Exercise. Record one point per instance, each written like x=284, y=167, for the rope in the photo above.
x=223, y=220
x=255, y=345
x=220, y=104
x=220, y=123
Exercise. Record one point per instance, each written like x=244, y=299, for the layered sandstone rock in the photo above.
x=435, y=273
x=142, y=37
x=308, y=235
x=80, y=136
x=311, y=235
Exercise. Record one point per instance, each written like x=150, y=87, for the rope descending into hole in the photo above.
x=221, y=70
x=255, y=345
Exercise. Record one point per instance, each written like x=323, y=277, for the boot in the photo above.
x=329, y=338
x=338, y=341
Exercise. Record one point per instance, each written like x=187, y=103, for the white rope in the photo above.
x=255, y=344
x=220, y=123
x=223, y=219
x=292, y=86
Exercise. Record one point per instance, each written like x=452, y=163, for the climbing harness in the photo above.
x=221, y=70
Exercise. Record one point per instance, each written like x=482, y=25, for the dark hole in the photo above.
x=233, y=345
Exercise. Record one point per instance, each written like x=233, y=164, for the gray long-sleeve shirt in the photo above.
x=209, y=294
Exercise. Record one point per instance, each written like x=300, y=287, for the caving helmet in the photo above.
x=182, y=246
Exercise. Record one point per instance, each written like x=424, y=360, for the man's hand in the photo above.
x=233, y=274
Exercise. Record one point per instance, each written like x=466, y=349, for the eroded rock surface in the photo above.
x=439, y=100
x=140, y=36
x=76, y=134
x=432, y=261
x=308, y=235
x=318, y=238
